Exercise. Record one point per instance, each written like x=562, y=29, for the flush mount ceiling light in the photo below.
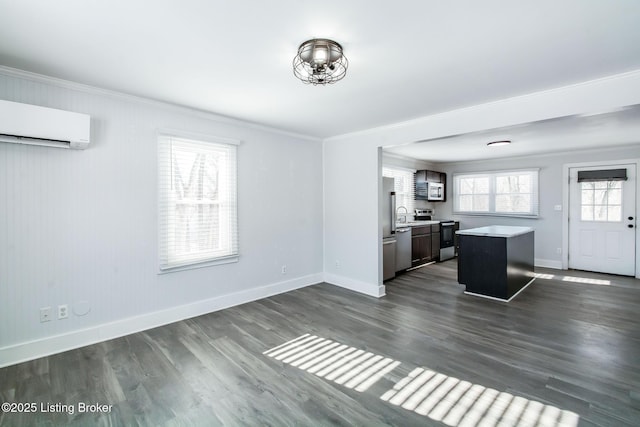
x=498, y=143
x=320, y=62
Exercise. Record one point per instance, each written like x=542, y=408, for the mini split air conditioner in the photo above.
x=31, y=124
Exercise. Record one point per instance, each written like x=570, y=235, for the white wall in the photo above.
x=79, y=227
x=353, y=157
x=345, y=180
x=548, y=226
x=390, y=159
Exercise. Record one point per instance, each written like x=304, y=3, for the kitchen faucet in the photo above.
x=404, y=216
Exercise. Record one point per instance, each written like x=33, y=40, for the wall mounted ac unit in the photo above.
x=31, y=124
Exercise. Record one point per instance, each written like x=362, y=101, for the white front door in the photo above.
x=602, y=222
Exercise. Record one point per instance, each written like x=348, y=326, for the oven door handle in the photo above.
x=447, y=224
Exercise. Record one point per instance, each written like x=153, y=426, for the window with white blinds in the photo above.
x=404, y=186
x=504, y=193
x=197, y=202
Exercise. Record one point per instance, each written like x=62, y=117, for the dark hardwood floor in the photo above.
x=566, y=351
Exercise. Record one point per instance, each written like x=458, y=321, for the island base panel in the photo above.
x=495, y=266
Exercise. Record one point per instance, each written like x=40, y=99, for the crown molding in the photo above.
x=94, y=90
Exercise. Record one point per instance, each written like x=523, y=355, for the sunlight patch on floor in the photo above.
x=460, y=403
x=440, y=397
x=574, y=279
x=355, y=369
x=586, y=280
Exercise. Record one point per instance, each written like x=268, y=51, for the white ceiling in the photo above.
x=407, y=58
x=612, y=129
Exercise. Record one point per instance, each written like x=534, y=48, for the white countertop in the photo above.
x=496, y=231
x=415, y=223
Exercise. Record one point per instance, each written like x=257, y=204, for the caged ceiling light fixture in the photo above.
x=320, y=62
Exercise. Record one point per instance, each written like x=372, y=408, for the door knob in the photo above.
x=630, y=218
x=630, y=225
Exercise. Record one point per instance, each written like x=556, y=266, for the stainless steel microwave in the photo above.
x=435, y=191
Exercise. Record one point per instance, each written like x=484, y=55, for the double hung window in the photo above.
x=197, y=202
x=505, y=193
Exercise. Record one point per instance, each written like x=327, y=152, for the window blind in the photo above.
x=404, y=186
x=602, y=175
x=503, y=193
x=197, y=202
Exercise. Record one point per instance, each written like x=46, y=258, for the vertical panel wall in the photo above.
x=79, y=227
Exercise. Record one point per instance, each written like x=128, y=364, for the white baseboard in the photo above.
x=548, y=263
x=370, y=289
x=30, y=350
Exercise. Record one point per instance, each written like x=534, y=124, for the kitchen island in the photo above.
x=496, y=261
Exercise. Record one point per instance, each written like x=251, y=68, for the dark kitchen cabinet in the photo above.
x=456, y=239
x=420, y=249
x=498, y=265
x=422, y=244
x=433, y=176
x=435, y=246
x=423, y=178
x=430, y=176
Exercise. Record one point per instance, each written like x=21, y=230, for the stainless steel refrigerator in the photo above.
x=388, y=216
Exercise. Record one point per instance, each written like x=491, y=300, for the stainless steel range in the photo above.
x=447, y=245
x=423, y=214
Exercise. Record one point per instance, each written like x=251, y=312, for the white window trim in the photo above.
x=535, y=202
x=188, y=265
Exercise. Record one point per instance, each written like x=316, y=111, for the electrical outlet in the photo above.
x=284, y=269
x=558, y=250
x=63, y=311
x=337, y=264
x=45, y=314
